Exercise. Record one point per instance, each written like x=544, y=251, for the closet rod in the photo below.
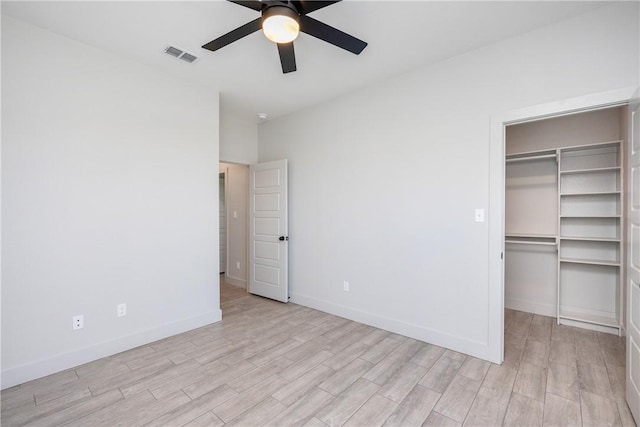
x=524, y=242
x=522, y=159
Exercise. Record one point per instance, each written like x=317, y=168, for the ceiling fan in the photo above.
x=281, y=21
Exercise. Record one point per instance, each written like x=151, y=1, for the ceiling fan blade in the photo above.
x=237, y=34
x=287, y=57
x=251, y=4
x=331, y=35
x=307, y=6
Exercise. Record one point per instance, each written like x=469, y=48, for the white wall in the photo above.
x=237, y=210
x=109, y=186
x=384, y=182
x=238, y=140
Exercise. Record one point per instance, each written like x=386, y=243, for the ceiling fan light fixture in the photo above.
x=280, y=24
x=281, y=21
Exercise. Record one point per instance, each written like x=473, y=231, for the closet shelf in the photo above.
x=530, y=239
x=594, y=145
x=532, y=155
x=589, y=216
x=532, y=236
x=590, y=239
x=530, y=242
x=589, y=318
x=590, y=262
x=592, y=193
x=590, y=170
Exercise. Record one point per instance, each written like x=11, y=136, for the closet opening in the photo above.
x=564, y=211
x=233, y=218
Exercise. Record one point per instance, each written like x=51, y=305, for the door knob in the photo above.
x=283, y=238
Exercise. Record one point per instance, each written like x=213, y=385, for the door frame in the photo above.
x=591, y=102
x=229, y=215
x=223, y=175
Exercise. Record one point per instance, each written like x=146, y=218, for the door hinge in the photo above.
x=501, y=255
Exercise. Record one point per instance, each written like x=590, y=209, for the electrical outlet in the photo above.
x=122, y=310
x=345, y=286
x=238, y=265
x=78, y=322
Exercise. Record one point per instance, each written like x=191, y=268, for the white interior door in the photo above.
x=633, y=266
x=268, y=239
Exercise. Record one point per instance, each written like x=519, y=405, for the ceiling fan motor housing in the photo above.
x=281, y=10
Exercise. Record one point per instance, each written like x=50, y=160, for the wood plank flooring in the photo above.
x=277, y=364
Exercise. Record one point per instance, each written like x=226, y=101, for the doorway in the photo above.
x=499, y=122
x=234, y=205
x=564, y=222
x=254, y=216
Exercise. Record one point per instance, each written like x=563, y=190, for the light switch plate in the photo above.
x=479, y=215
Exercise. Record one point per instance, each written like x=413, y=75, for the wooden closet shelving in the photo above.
x=590, y=255
x=588, y=239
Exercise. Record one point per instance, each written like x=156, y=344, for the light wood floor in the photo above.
x=269, y=363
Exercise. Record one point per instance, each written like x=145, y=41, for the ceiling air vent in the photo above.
x=188, y=57
x=180, y=54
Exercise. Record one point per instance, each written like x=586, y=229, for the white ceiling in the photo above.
x=401, y=35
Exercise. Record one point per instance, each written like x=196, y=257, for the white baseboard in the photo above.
x=60, y=362
x=530, y=307
x=459, y=344
x=230, y=280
